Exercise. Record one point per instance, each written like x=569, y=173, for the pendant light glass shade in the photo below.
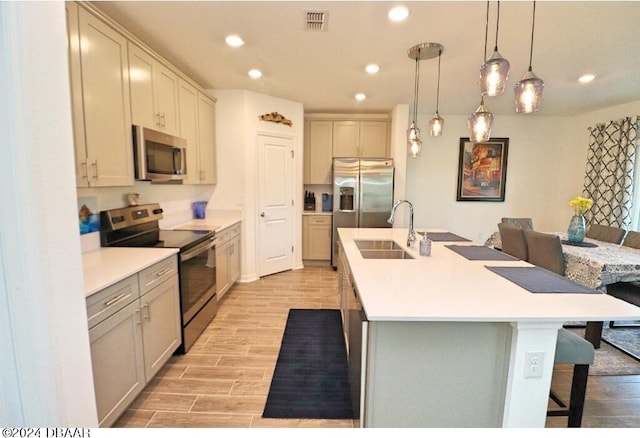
x=414, y=143
x=480, y=124
x=528, y=90
x=436, y=125
x=494, y=72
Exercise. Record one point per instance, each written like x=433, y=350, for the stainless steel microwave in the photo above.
x=158, y=156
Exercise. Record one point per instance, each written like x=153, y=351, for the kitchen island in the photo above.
x=445, y=342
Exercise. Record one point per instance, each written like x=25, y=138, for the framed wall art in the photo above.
x=482, y=170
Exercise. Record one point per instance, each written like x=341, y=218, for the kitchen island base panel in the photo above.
x=436, y=374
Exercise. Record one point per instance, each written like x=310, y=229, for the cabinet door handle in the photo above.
x=158, y=120
x=85, y=165
x=95, y=167
x=138, y=319
x=262, y=214
x=146, y=314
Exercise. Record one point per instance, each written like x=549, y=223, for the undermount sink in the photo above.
x=385, y=254
x=377, y=244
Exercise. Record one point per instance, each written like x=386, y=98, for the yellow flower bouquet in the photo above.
x=580, y=205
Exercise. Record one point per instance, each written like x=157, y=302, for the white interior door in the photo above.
x=275, y=168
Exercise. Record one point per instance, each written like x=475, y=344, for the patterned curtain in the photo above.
x=610, y=171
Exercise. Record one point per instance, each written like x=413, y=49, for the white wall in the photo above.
x=238, y=126
x=545, y=169
x=45, y=365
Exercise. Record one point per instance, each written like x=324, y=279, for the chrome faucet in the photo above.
x=412, y=234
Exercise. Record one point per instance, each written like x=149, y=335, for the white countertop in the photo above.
x=106, y=266
x=103, y=267
x=212, y=222
x=447, y=287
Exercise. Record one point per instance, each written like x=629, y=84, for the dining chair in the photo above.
x=545, y=250
x=632, y=239
x=513, y=241
x=605, y=233
x=522, y=222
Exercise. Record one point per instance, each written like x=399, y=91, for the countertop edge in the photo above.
x=106, y=266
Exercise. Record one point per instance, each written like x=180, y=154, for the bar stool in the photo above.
x=572, y=349
x=545, y=250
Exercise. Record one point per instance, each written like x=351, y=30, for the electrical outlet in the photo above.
x=533, y=363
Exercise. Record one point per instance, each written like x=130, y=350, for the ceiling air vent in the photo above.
x=316, y=20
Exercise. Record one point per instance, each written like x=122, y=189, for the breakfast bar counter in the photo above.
x=448, y=342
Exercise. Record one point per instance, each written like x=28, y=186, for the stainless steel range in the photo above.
x=138, y=226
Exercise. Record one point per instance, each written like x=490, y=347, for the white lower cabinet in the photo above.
x=134, y=327
x=118, y=362
x=316, y=237
x=227, y=258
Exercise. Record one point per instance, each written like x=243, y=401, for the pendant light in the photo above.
x=436, y=124
x=480, y=124
x=528, y=90
x=494, y=72
x=481, y=120
x=418, y=53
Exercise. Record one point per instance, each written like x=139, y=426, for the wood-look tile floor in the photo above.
x=224, y=379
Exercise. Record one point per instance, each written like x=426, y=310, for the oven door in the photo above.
x=197, y=278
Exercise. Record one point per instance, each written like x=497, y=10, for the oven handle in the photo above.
x=198, y=249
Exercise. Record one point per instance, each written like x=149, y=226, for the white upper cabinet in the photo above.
x=100, y=101
x=116, y=82
x=197, y=126
x=154, y=92
x=318, y=151
x=366, y=139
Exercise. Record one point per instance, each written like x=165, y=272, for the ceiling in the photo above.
x=324, y=69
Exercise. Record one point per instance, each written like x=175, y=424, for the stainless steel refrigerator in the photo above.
x=362, y=195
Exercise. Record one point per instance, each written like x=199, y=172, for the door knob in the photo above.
x=262, y=214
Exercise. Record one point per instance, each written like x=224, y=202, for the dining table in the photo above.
x=594, y=264
x=597, y=264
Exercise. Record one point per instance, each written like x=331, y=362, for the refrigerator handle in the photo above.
x=358, y=198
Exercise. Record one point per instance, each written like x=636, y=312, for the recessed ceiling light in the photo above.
x=585, y=79
x=234, y=41
x=360, y=97
x=255, y=73
x=398, y=13
x=372, y=68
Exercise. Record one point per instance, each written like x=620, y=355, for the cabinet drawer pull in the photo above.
x=119, y=298
x=163, y=272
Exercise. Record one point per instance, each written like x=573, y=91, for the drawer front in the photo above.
x=109, y=300
x=156, y=274
x=320, y=220
x=234, y=231
x=222, y=236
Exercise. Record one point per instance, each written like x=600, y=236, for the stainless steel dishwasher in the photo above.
x=358, y=324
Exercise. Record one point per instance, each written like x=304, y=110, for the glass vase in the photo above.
x=577, y=229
